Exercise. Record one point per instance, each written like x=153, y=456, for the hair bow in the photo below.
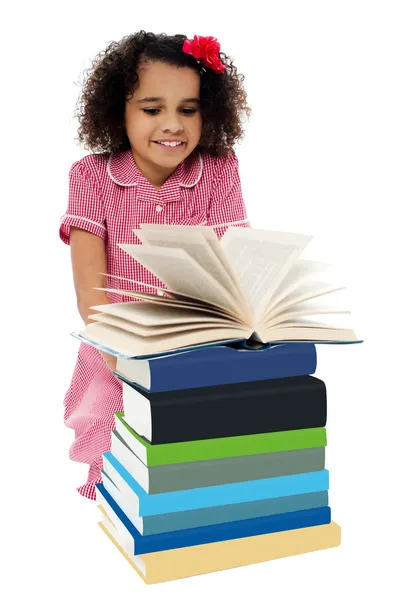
x=206, y=51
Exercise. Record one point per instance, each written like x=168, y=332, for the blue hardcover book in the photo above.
x=218, y=365
x=218, y=495
x=143, y=544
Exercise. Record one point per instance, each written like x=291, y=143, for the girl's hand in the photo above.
x=109, y=360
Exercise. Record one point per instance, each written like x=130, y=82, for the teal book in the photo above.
x=187, y=519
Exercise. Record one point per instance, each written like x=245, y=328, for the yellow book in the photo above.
x=158, y=567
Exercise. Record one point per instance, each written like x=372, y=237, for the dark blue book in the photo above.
x=143, y=544
x=218, y=365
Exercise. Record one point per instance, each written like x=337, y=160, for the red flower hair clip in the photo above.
x=206, y=51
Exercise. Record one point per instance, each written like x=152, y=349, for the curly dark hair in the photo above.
x=112, y=79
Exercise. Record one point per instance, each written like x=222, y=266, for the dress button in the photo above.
x=159, y=208
x=160, y=293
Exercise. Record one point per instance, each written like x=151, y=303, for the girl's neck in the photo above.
x=155, y=175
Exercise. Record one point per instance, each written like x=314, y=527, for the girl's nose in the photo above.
x=172, y=128
x=172, y=124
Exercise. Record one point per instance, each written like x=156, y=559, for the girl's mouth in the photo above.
x=170, y=146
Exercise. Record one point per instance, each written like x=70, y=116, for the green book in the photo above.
x=243, y=445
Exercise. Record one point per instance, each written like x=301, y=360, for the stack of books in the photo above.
x=222, y=475
x=218, y=459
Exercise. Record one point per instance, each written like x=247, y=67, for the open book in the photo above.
x=250, y=285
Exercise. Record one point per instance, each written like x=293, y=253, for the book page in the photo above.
x=159, y=329
x=127, y=345
x=302, y=310
x=196, y=246
x=155, y=293
x=152, y=289
x=309, y=334
x=261, y=260
x=177, y=270
x=178, y=300
x=149, y=315
x=330, y=321
x=300, y=272
x=309, y=290
x=213, y=242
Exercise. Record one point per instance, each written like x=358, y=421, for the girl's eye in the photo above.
x=154, y=111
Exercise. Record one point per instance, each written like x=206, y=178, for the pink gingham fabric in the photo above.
x=109, y=197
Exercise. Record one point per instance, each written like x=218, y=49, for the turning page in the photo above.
x=302, y=271
x=309, y=290
x=161, y=328
x=196, y=246
x=151, y=315
x=180, y=271
x=261, y=259
x=213, y=242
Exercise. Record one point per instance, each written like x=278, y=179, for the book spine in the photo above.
x=217, y=366
x=184, y=476
x=212, y=415
x=228, y=447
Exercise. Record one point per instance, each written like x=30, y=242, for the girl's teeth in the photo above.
x=170, y=143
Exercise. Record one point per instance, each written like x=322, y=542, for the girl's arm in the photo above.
x=88, y=257
x=226, y=206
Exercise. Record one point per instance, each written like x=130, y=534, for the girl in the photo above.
x=162, y=114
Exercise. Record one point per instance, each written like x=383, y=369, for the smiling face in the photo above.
x=165, y=107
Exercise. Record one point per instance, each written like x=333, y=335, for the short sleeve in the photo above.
x=226, y=207
x=85, y=204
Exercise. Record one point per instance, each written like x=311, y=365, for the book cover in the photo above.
x=219, y=514
x=218, y=365
x=252, y=407
x=158, y=567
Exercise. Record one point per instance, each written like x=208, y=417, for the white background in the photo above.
x=320, y=157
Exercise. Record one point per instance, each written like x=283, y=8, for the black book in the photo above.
x=226, y=410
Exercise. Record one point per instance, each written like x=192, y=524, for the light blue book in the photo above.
x=144, y=504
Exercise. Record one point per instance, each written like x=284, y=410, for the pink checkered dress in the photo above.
x=110, y=197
